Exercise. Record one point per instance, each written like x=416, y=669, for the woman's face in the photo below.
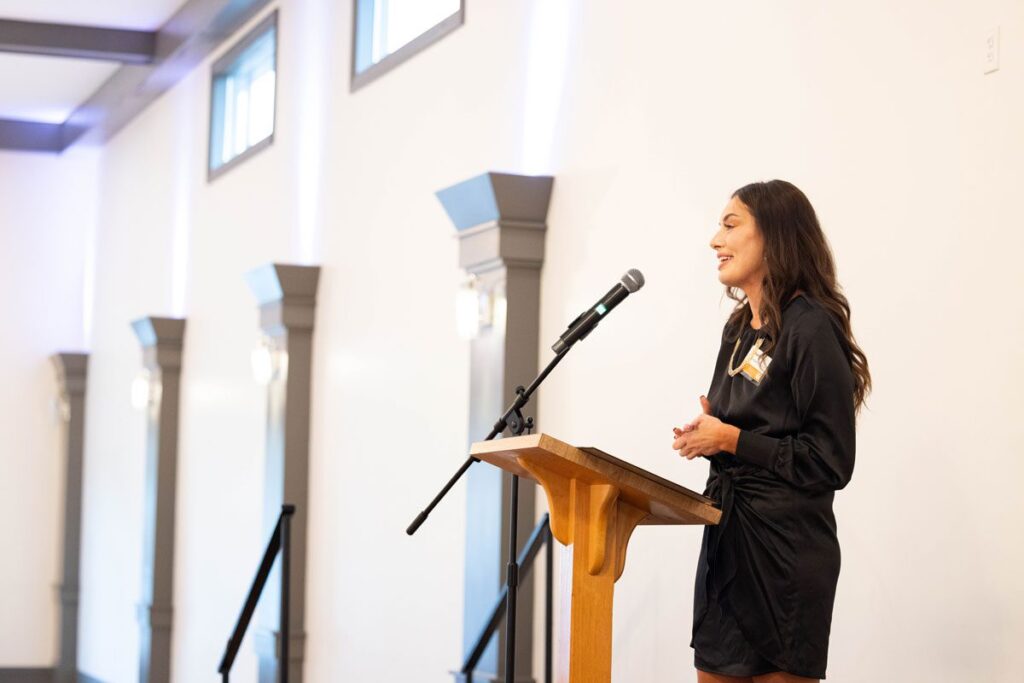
x=740, y=247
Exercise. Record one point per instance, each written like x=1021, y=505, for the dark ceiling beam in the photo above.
x=30, y=136
x=78, y=42
x=193, y=33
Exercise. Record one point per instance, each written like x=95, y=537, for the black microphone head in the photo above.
x=632, y=280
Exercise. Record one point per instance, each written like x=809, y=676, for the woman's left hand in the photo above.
x=702, y=436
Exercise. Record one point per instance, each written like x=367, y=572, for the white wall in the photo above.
x=184, y=247
x=881, y=113
x=382, y=359
x=47, y=205
x=133, y=267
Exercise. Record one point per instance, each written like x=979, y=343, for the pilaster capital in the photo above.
x=286, y=295
x=501, y=219
x=162, y=340
x=72, y=371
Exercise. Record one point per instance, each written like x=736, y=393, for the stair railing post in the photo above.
x=284, y=629
x=549, y=580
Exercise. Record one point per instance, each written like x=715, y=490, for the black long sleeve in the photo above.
x=820, y=455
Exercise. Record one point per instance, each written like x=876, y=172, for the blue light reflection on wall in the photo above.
x=311, y=91
x=181, y=210
x=547, y=55
x=88, y=281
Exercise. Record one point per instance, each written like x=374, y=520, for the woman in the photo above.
x=778, y=426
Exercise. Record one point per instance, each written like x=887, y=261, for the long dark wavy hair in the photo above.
x=798, y=258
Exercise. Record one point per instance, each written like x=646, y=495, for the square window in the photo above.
x=242, y=98
x=387, y=32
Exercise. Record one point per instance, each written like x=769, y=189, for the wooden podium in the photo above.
x=595, y=502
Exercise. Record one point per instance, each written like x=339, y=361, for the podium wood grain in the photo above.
x=595, y=502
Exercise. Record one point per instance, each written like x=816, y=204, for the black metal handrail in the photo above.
x=541, y=535
x=279, y=540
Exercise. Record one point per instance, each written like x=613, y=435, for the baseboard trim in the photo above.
x=38, y=675
x=26, y=675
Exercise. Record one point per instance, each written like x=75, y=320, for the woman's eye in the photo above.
x=729, y=227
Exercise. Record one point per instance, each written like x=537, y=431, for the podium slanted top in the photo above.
x=664, y=501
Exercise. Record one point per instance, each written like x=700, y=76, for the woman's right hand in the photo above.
x=703, y=436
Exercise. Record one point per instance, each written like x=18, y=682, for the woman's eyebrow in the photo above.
x=729, y=215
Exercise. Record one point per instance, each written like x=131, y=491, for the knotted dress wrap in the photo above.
x=767, y=573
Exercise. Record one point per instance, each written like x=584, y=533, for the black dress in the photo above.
x=767, y=573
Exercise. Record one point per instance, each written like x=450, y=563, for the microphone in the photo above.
x=583, y=325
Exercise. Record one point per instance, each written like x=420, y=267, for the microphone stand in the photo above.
x=513, y=421
x=513, y=417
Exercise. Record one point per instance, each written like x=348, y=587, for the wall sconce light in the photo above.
x=268, y=362
x=477, y=309
x=145, y=389
x=61, y=408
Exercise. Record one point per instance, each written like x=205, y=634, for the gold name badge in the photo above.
x=755, y=365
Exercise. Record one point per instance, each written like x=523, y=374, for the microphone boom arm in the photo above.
x=513, y=417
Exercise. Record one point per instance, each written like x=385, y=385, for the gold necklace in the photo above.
x=735, y=371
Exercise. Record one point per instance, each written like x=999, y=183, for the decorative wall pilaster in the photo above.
x=287, y=300
x=72, y=373
x=501, y=220
x=162, y=341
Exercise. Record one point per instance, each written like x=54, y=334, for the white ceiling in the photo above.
x=144, y=15
x=48, y=89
